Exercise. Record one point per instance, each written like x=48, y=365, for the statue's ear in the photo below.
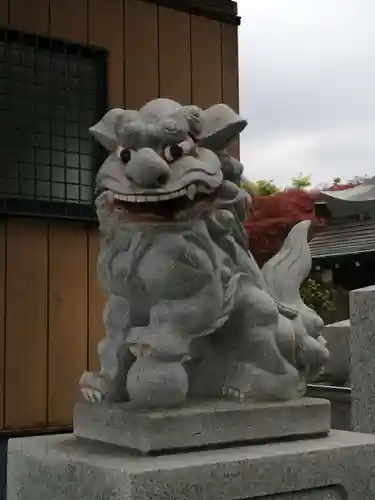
x=106, y=131
x=194, y=118
x=220, y=126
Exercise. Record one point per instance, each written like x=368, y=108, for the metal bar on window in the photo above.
x=51, y=92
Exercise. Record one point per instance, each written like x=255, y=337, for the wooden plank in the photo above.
x=175, y=55
x=230, y=65
x=31, y=16
x=141, y=53
x=97, y=301
x=4, y=12
x=106, y=29
x=68, y=20
x=67, y=346
x=229, y=47
x=2, y=319
x=26, y=324
x=206, y=61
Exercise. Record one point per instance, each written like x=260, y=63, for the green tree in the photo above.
x=266, y=188
x=317, y=296
x=250, y=187
x=301, y=182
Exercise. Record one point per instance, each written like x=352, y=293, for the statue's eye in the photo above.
x=125, y=155
x=173, y=153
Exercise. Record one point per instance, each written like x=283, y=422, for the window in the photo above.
x=51, y=92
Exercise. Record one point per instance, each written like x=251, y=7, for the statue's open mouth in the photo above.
x=166, y=206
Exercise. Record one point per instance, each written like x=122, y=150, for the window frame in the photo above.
x=11, y=204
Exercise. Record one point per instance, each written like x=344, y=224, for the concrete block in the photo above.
x=341, y=404
x=203, y=424
x=362, y=350
x=337, y=335
x=337, y=467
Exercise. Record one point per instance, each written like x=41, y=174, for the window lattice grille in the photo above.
x=51, y=92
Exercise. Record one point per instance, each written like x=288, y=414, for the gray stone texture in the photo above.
x=189, y=313
x=64, y=467
x=341, y=402
x=337, y=369
x=362, y=349
x=196, y=425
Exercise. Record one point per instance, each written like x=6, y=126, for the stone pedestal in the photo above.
x=337, y=369
x=207, y=451
x=362, y=350
x=341, y=402
x=337, y=467
x=207, y=424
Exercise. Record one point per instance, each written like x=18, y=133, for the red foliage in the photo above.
x=341, y=187
x=272, y=217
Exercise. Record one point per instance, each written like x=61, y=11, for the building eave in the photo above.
x=224, y=11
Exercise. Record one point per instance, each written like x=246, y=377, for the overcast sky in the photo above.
x=307, y=87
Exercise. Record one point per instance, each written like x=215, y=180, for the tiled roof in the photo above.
x=363, y=192
x=350, y=202
x=344, y=239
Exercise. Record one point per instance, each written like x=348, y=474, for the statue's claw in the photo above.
x=311, y=356
x=92, y=396
x=94, y=386
x=85, y=394
x=231, y=393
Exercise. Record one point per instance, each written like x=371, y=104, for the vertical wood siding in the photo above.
x=50, y=301
x=26, y=326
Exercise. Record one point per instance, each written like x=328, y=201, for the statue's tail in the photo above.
x=284, y=275
x=285, y=272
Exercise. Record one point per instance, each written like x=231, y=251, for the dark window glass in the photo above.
x=50, y=93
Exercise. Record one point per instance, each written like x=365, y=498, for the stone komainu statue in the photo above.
x=189, y=312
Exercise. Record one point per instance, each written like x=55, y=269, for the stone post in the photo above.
x=362, y=351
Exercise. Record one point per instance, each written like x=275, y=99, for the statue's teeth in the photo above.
x=140, y=198
x=191, y=191
x=176, y=194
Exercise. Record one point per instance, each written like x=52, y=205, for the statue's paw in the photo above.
x=247, y=382
x=232, y=393
x=323, y=343
x=92, y=396
x=311, y=356
x=94, y=386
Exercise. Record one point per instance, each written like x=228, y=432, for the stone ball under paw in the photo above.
x=152, y=382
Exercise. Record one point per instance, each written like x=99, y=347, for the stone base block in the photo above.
x=336, y=467
x=341, y=404
x=215, y=423
x=337, y=369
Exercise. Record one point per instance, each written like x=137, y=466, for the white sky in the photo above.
x=307, y=87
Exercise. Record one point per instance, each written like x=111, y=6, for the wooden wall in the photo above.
x=50, y=302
